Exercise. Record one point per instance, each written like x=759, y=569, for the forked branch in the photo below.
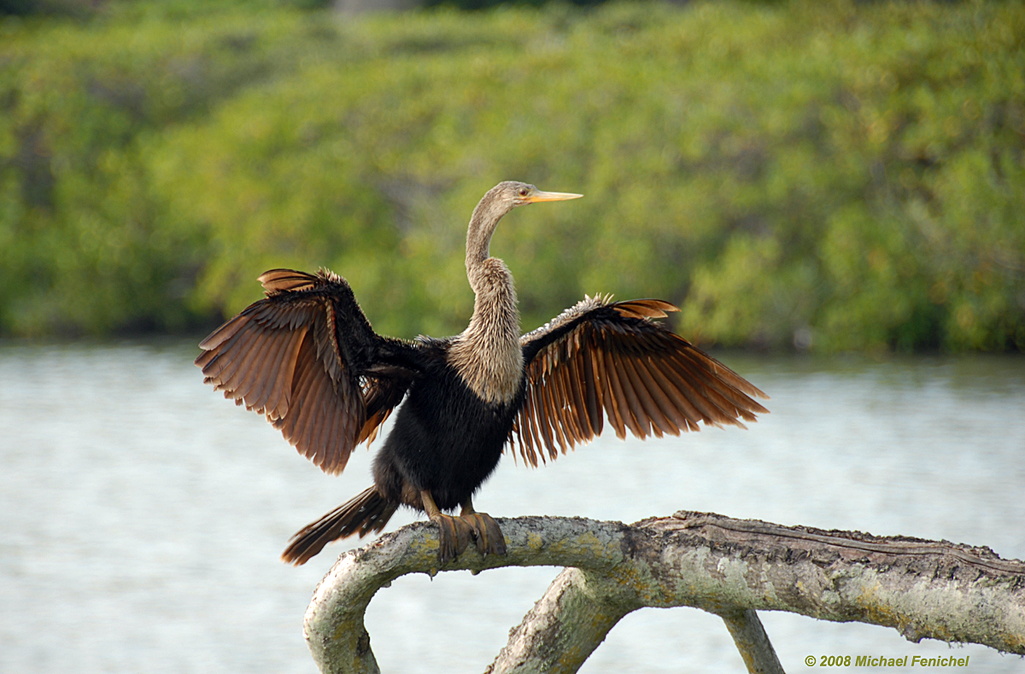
x=924, y=589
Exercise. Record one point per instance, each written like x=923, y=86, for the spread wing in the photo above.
x=611, y=359
x=307, y=358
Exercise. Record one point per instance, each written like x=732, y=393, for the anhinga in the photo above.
x=307, y=358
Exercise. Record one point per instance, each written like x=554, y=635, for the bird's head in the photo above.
x=516, y=193
x=498, y=201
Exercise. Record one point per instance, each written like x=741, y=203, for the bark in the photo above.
x=733, y=568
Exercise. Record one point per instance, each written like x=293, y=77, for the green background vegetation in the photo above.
x=836, y=175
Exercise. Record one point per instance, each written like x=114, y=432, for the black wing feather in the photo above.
x=307, y=358
x=612, y=357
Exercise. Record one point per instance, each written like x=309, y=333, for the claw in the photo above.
x=455, y=532
x=487, y=533
x=454, y=536
x=490, y=539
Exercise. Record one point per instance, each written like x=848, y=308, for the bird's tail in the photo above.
x=367, y=512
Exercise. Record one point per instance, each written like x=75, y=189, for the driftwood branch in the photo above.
x=924, y=589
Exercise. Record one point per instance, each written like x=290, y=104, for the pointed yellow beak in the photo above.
x=549, y=196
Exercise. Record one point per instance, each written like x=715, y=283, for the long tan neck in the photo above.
x=487, y=354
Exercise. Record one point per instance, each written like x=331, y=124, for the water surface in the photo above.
x=143, y=514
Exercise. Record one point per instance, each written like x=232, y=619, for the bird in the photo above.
x=306, y=357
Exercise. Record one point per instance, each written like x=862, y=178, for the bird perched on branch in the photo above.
x=307, y=358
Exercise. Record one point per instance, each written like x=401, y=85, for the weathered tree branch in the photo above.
x=924, y=589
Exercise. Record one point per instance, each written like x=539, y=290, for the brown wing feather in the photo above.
x=304, y=358
x=613, y=360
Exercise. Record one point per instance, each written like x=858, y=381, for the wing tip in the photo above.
x=646, y=308
x=276, y=281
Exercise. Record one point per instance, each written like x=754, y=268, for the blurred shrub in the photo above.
x=820, y=174
x=76, y=8
x=86, y=244
x=82, y=9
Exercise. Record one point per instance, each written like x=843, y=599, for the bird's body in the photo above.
x=446, y=438
x=307, y=357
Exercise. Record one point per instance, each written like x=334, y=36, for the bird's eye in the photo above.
x=523, y=191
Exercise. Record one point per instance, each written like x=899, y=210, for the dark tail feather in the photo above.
x=368, y=512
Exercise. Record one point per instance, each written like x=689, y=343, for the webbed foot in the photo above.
x=489, y=537
x=455, y=532
x=454, y=536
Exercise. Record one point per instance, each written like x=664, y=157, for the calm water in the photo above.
x=143, y=515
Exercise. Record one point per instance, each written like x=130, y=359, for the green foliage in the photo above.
x=843, y=176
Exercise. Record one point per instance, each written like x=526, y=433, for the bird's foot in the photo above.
x=454, y=536
x=457, y=531
x=489, y=537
